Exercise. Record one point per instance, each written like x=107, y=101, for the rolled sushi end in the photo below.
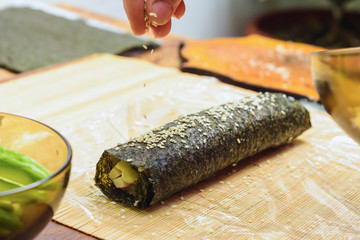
x=123, y=175
x=123, y=181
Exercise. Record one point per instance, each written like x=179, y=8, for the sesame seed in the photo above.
x=152, y=14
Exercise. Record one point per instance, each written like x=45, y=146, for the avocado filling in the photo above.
x=123, y=175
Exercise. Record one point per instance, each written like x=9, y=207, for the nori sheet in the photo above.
x=192, y=148
x=31, y=39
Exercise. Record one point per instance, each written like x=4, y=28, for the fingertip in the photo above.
x=138, y=32
x=180, y=11
x=162, y=30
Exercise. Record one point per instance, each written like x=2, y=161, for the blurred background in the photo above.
x=208, y=18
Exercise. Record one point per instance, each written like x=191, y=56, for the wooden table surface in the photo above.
x=166, y=55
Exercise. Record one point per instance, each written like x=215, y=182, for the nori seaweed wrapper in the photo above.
x=194, y=147
x=31, y=39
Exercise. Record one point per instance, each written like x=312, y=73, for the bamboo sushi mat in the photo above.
x=305, y=190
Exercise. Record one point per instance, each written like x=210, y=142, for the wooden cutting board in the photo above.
x=305, y=190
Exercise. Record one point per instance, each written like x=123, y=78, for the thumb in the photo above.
x=161, y=11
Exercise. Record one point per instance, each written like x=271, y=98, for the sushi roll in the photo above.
x=192, y=148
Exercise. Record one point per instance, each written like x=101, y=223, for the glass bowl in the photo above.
x=26, y=210
x=336, y=74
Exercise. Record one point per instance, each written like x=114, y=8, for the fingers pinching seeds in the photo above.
x=160, y=13
x=156, y=15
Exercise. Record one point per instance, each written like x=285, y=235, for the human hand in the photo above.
x=155, y=15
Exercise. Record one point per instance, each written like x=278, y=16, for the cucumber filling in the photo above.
x=123, y=175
